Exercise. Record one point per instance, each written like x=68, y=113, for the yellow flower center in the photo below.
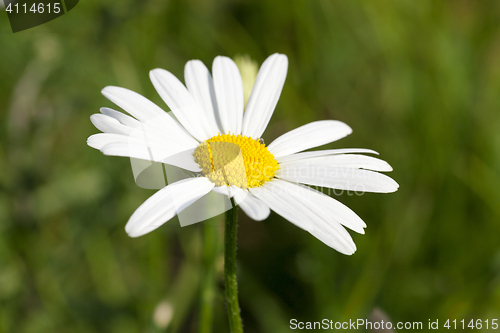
x=228, y=159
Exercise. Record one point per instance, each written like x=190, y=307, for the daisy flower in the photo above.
x=219, y=140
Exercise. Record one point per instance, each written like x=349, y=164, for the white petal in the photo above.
x=126, y=149
x=230, y=191
x=329, y=207
x=201, y=86
x=135, y=104
x=163, y=135
x=279, y=204
x=101, y=140
x=316, y=153
x=180, y=101
x=109, y=124
x=342, y=178
x=121, y=117
x=341, y=161
x=184, y=159
x=224, y=190
x=229, y=91
x=265, y=95
x=165, y=204
x=253, y=207
x=306, y=214
x=128, y=146
x=308, y=136
x=98, y=141
x=145, y=111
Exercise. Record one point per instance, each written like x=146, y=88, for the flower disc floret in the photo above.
x=229, y=159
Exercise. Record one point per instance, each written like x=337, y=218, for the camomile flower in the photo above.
x=219, y=140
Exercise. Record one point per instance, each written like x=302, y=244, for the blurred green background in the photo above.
x=418, y=81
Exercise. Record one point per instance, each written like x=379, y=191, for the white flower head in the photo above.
x=218, y=139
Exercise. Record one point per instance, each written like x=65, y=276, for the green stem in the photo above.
x=230, y=281
x=208, y=283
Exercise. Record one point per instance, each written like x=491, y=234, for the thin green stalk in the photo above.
x=210, y=250
x=230, y=281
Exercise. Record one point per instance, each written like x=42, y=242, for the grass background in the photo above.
x=418, y=81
